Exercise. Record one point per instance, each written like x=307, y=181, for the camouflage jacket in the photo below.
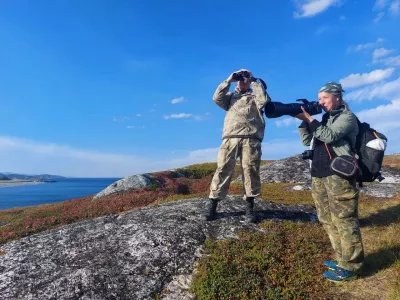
x=339, y=132
x=244, y=111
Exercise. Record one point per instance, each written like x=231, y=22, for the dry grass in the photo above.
x=392, y=160
x=380, y=228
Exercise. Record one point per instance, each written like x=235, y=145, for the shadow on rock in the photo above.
x=308, y=215
x=263, y=215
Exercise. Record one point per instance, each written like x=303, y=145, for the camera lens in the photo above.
x=313, y=108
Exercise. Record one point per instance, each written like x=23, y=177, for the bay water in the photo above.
x=51, y=192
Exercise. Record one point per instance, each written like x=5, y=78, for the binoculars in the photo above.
x=243, y=76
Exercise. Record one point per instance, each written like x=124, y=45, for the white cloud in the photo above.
x=384, y=91
x=356, y=80
x=199, y=117
x=202, y=155
x=310, y=8
x=281, y=148
x=381, y=52
x=361, y=47
x=31, y=157
x=392, y=61
x=287, y=122
x=177, y=100
x=138, y=115
x=380, y=4
x=395, y=8
x=379, y=17
x=135, y=127
x=178, y=116
x=120, y=119
x=342, y=18
x=321, y=30
x=384, y=118
x=271, y=149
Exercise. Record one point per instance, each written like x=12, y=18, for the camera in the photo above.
x=243, y=76
x=308, y=154
x=278, y=109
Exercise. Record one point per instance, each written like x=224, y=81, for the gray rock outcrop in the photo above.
x=388, y=187
x=292, y=169
x=135, y=255
x=126, y=184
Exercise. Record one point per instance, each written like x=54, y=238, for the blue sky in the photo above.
x=115, y=88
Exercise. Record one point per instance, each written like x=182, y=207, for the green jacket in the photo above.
x=340, y=124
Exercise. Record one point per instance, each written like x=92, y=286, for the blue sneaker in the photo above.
x=340, y=275
x=332, y=265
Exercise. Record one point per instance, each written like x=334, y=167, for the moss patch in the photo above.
x=283, y=263
x=198, y=171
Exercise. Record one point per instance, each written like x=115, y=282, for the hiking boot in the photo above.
x=250, y=216
x=332, y=265
x=340, y=275
x=211, y=210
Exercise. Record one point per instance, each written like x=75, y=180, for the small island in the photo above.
x=13, y=179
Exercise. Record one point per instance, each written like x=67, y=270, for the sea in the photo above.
x=52, y=192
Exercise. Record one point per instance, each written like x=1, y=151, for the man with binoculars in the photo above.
x=242, y=136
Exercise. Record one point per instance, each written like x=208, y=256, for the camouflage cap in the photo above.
x=332, y=88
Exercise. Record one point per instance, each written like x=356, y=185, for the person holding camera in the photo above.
x=334, y=189
x=243, y=133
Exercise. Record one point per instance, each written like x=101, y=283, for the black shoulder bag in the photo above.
x=344, y=166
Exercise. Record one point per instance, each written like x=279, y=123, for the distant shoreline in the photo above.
x=11, y=183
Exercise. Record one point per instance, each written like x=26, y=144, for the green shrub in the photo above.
x=199, y=170
x=284, y=263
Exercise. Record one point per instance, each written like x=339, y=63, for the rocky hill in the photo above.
x=3, y=177
x=145, y=253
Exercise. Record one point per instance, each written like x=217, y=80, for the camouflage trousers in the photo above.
x=336, y=200
x=249, y=152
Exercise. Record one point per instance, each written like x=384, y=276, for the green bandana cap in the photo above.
x=332, y=88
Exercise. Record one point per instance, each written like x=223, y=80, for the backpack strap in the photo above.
x=347, y=139
x=353, y=149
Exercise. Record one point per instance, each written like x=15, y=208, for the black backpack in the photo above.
x=369, y=159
